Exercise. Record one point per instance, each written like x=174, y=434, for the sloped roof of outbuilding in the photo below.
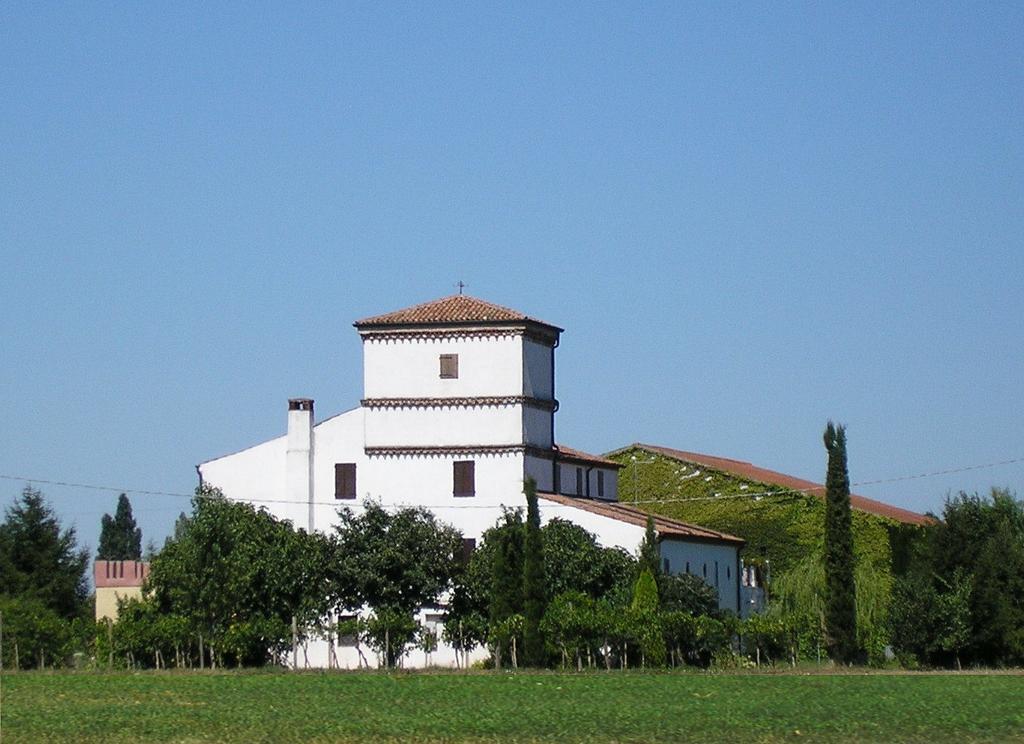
x=664, y=526
x=452, y=310
x=751, y=472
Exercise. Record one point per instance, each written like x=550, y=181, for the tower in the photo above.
x=462, y=379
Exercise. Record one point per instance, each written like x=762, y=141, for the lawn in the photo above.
x=452, y=707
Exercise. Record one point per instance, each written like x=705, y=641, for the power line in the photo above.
x=940, y=472
x=778, y=491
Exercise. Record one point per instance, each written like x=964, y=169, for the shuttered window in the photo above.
x=600, y=484
x=465, y=483
x=347, y=633
x=345, y=480
x=449, y=366
x=579, y=481
x=468, y=546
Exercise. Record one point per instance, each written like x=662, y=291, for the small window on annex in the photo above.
x=464, y=478
x=600, y=484
x=345, y=480
x=449, y=366
x=579, y=481
x=347, y=630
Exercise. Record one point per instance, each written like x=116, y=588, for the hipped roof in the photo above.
x=453, y=310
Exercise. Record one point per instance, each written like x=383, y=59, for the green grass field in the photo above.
x=452, y=707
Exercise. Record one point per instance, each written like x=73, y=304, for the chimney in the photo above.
x=299, y=465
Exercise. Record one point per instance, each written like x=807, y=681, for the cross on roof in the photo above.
x=461, y=285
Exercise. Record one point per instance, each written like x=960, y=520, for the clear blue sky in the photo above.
x=748, y=218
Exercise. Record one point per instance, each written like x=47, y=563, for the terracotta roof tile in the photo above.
x=626, y=513
x=456, y=309
x=751, y=472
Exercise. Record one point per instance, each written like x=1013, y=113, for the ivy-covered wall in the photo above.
x=780, y=526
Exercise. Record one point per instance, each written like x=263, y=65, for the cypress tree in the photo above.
x=534, y=587
x=120, y=537
x=649, y=553
x=507, y=569
x=840, y=589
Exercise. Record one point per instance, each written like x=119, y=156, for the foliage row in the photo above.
x=236, y=586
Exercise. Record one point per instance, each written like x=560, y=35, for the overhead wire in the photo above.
x=746, y=494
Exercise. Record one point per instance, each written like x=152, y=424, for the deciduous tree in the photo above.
x=236, y=565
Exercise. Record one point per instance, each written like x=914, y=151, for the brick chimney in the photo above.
x=299, y=465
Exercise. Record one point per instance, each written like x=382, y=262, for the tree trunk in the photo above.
x=515, y=660
x=202, y=653
x=295, y=643
x=958, y=667
x=110, y=643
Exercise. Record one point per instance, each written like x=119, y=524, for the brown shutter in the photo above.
x=465, y=484
x=449, y=366
x=345, y=480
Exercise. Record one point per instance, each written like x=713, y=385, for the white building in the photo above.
x=459, y=408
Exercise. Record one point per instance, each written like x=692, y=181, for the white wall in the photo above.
x=410, y=368
x=570, y=471
x=537, y=382
x=540, y=469
x=257, y=475
x=348, y=657
x=536, y=427
x=411, y=480
x=445, y=426
x=611, y=533
x=701, y=555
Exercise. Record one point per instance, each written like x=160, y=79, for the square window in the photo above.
x=464, y=478
x=449, y=366
x=345, y=480
x=348, y=634
x=434, y=621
